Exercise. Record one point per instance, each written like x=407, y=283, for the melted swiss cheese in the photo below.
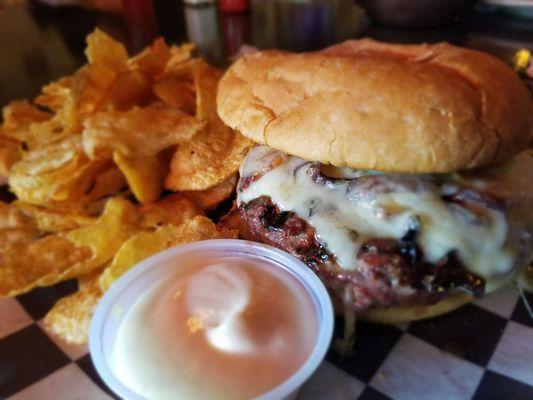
x=344, y=218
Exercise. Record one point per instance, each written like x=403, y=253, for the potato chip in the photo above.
x=137, y=248
x=209, y=199
x=34, y=179
x=205, y=83
x=91, y=279
x=214, y=154
x=45, y=133
x=146, y=243
x=10, y=153
x=103, y=51
x=131, y=88
x=53, y=157
x=70, y=318
x=113, y=124
x=79, y=189
x=178, y=56
x=39, y=263
x=13, y=217
x=54, y=95
x=108, y=182
x=62, y=256
x=57, y=173
x=90, y=89
x=53, y=219
x=14, y=241
x=104, y=237
x=17, y=230
x=145, y=175
x=171, y=210
x=18, y=116
x=177, y=92
x=139, y=132
x=93, y=84
x=208, y=160
x=153, y=59
x=96, y=208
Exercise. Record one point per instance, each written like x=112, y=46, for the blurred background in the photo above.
x=43, y=40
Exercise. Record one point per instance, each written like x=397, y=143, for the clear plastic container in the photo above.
x=123, y=294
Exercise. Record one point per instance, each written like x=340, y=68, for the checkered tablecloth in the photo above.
x=482, y=351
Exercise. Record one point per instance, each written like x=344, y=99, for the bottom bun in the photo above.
x=408, y=313
x=401, y=314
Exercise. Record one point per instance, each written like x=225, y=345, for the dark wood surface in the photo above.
x=40, y=42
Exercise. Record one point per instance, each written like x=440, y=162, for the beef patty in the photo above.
x=389, y=272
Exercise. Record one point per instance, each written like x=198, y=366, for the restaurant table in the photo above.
x=482, y=351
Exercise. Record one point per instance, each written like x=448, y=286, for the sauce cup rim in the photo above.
x=98, y=335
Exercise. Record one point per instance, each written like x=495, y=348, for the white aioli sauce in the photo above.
x=216, y=331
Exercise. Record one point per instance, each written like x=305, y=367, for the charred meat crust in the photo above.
x=389, y=272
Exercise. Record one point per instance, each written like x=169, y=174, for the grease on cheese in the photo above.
x=344, y=217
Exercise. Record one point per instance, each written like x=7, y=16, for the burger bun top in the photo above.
x=369, y=105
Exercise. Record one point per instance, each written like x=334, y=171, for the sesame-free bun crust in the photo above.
x=402, y=314
x=370, y=105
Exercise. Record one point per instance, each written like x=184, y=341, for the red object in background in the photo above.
x=141, y=24
x=234, y=6
x=235, y=32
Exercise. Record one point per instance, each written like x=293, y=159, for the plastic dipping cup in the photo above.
x=124, y=293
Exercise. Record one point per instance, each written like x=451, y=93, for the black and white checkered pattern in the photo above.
x=482, y=351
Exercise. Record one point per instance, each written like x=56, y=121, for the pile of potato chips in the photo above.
x=89, y=162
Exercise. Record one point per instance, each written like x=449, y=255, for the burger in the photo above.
x=398, y=173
